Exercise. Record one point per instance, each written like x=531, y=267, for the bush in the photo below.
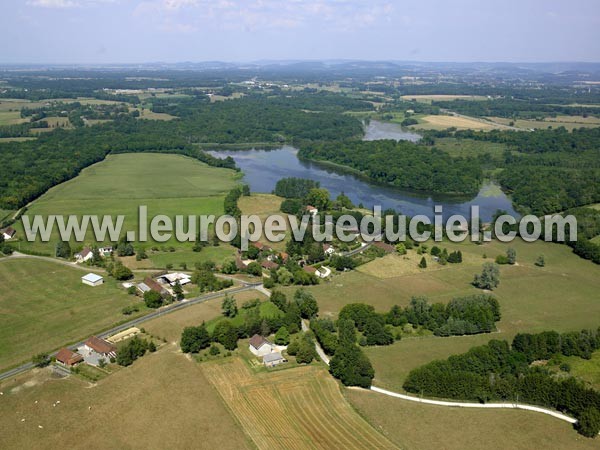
x=153, y=299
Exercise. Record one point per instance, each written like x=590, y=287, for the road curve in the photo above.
x=451, y=404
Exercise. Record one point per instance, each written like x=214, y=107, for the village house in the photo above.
x=273, y=359
x=95, y=350
x=92, y=279
x=105, y=251
x=260, y=346
x=84, y=255
x=312, y=210
x=269, y=265
x=328, y=249
x=68, y=358
x=323, y=272
x=150, y=285
x=8, y=233
x=260, y=246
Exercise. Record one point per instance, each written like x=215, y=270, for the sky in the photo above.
x=135, y=31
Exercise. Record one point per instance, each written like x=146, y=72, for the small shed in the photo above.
x=68, y=358
x=92, y=279
x=273, y=359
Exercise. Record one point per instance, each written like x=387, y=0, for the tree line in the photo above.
x=499, y=371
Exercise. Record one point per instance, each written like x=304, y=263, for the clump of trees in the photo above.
x=497, y=371
x=294, y=188
x=349, y=364
x=133, y=349
x=489, y=278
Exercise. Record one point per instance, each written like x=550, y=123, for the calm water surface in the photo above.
x=263, y=168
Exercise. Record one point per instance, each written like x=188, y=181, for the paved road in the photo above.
x=411, y=398
x=160, y=312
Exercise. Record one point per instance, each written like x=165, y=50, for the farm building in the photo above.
x=273, y=359
x=260, y=346
x=84, y=255
x=68, y=358
x=173, y=278
x=95, y=349
x=8, y=233
x=150, y=284
x=92, y=279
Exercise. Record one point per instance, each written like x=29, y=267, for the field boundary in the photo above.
x=452, y=404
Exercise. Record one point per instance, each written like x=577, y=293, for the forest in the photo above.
x=402, y=164
x=499, y=371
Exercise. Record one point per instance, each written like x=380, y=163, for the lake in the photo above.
x=263, y=168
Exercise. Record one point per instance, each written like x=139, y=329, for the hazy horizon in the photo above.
x=170, y=31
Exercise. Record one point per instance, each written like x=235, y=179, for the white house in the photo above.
x=323, y=272
x=328, y=249
x=8, y=233
x=312, y=210
x=84, y=255
x=273, y=359
x=260, y=346
x=95, y=349
x=105, y=251
x=92, y=279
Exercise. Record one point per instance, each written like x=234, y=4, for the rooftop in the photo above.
x=91, y=277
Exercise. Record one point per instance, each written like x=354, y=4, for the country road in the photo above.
x=158, y=313
x=451, y=404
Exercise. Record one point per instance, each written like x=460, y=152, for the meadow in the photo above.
x=170, y=327
x=166, y=184
x=44, y=306
x=442, y=122
x=569, y=122
x=162, y=401
x=470, y=148
x=415, y=426
x=561, y=296
x=295, y=408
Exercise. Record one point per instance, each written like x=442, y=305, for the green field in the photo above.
x=166, y=184
x=415, y=426
x=468, y=147
x=562, y=296
x=44, y=306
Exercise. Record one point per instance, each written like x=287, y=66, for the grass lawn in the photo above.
x=442, y=122
x=469, y=147
x=4, y=213
x=297, y=408
x=170, y=326
x=569, y=122
x=166, y=184
x=417, y=426
x=44, y=305
x=162, y=401
x=562, y=296
x=264, y=205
